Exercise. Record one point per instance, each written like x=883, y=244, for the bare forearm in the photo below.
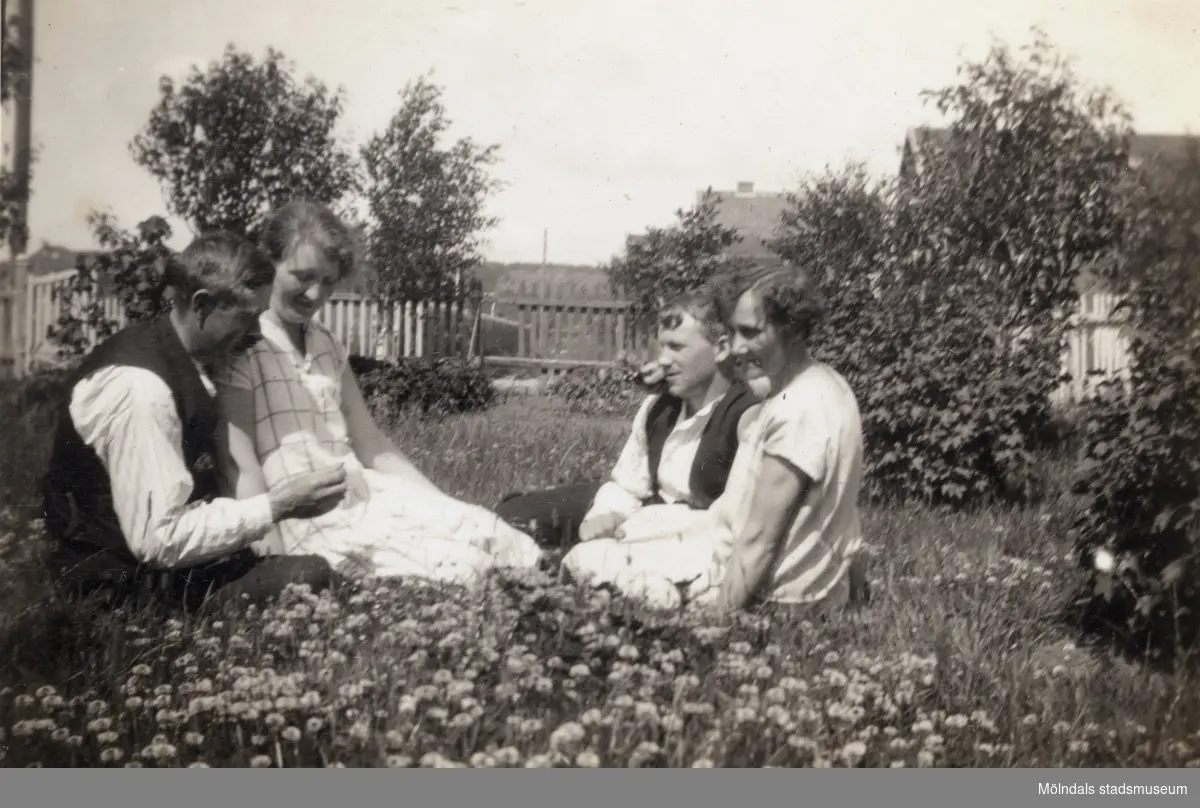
x=381, y=455
x=251, y=483
x=746, y=573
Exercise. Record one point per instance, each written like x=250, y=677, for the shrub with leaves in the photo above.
x=949, y=293
x=430, y=386
x=613, y=390
x=129, y=269
x=1139, y=475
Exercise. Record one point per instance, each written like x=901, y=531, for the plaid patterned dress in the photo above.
x=384, y=526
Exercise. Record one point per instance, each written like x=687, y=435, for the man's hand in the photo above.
x=309, y=495
x=601, y=525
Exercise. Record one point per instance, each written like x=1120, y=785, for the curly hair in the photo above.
x=788, y=294
x=304, y=222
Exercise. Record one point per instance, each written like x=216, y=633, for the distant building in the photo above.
x=755, y=214
x=48, y=259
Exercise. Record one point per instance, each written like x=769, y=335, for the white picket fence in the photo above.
x=1097, y=347
x=417, y=328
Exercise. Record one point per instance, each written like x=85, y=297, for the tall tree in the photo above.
x=1020, y=194
x=426, y=200
x=232, y=142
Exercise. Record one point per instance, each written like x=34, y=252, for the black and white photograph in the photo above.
x=626, y=384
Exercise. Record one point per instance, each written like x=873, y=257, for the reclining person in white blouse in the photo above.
x=292, y=405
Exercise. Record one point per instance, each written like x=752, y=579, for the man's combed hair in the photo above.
x=788, y=292
x=698, y=302
x=219, y=262
x=304, y=222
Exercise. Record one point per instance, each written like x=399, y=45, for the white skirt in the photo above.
x=388, y=527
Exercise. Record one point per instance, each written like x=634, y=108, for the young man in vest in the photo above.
x=132, y=497
x=680, y=448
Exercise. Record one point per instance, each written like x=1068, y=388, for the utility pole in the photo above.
x=542, y=273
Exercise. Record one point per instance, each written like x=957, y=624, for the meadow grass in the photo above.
x=961, y=659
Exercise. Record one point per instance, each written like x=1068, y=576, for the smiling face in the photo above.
x=759, y=347
x=303, y=283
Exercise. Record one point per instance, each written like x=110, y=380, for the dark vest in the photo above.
x=718, y=442
x=76, y=494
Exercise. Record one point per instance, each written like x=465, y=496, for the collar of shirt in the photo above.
x=205, y=378
x=696, y=417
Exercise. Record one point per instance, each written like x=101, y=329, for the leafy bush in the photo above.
x=949, y=291
x=39, y=394
x=614, y=390
x=1139, y=474
x=130, y=268
x=953, y=421
x=435, y=386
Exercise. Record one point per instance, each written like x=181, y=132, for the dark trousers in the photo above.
x=240, y=579
x=552, y=516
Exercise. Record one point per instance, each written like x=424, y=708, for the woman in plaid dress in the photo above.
x=292, y=405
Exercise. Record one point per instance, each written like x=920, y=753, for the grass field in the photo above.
x=960, y=660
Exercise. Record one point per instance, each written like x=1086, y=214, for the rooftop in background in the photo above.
x=754, y=213
x=46, y=260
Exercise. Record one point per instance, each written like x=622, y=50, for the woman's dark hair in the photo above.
x=787, y=292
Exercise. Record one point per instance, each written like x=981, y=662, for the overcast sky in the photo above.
x=610, y=114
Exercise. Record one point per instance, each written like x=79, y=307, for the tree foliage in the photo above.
x=949, y=291
x=426, y=201
x=837, y=224
x=1024, y=191
x=14, y=187
x=1139, y=474
x=244, y=136
x=129, y=269
x=12, y=57
x=666, y=261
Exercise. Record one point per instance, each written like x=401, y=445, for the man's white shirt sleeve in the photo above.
x=127, y=416
x=629, y=485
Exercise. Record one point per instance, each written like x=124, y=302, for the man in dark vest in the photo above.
x=681, y=446
x=132, y=496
